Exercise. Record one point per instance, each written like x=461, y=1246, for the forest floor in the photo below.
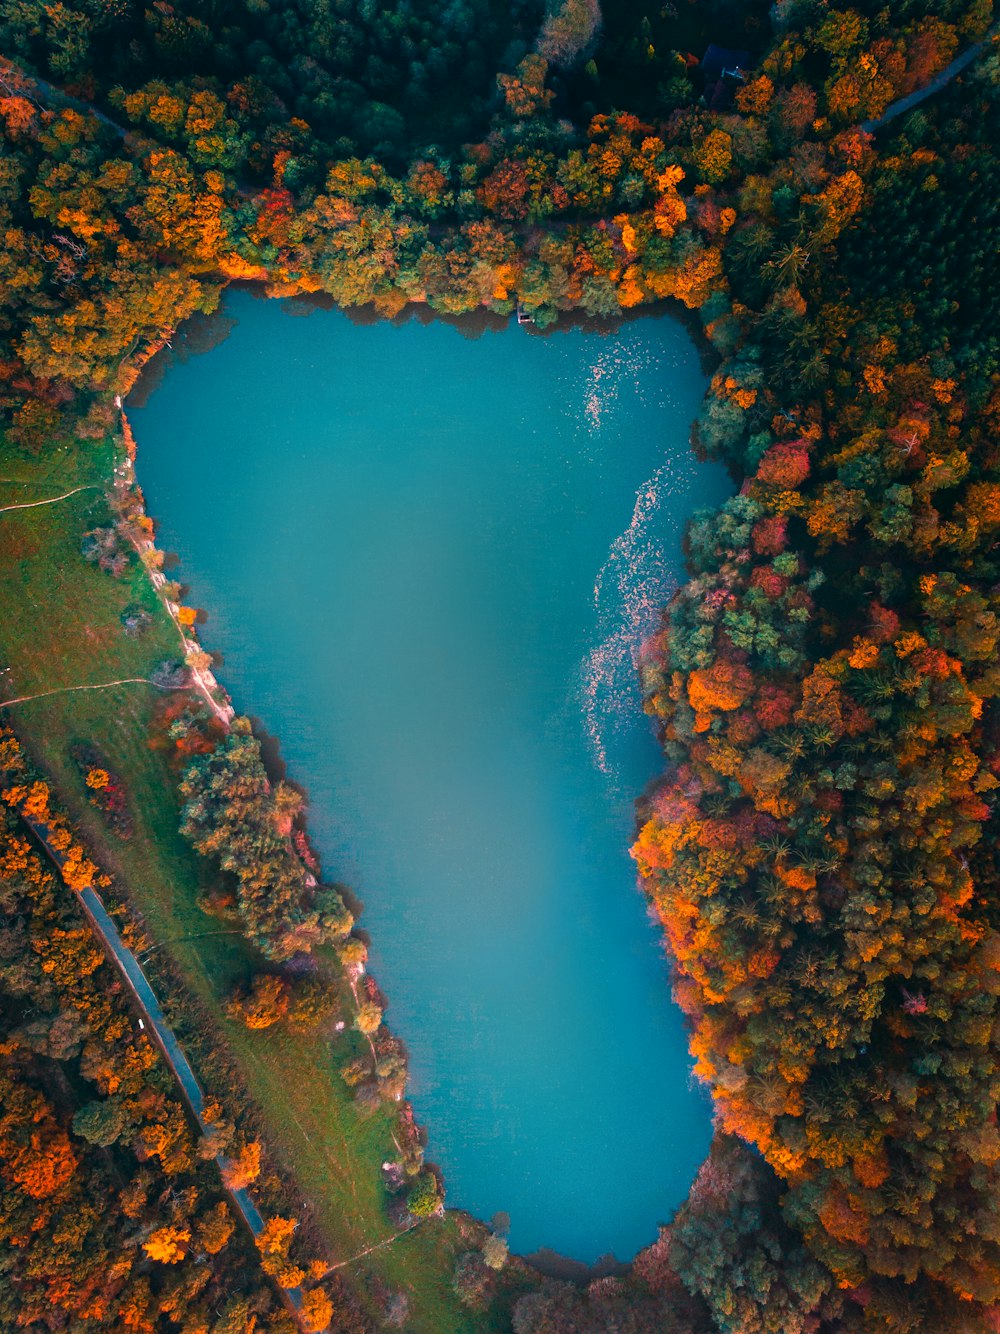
x=61, y=627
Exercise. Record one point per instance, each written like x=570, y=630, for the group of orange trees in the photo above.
x=112, y=1214
x=821, y=849
x=116, y=231
x=822, y=853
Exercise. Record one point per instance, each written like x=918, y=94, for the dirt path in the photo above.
x=378, y=1246
x=101, y=685
x=33, y=504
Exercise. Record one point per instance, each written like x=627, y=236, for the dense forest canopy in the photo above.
x=360, y=75
x=821, y=849
x=113, y=1213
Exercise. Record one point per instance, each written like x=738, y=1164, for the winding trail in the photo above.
x=100, y=685
x=33, y=504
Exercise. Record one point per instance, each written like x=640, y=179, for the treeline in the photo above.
x=112, y=1213
x=822, y=853
x=309, y=973
x=113, y=238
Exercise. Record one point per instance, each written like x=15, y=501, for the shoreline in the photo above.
x=200, y=333
x=207, y=329
x=220, y=701
x=813, y=855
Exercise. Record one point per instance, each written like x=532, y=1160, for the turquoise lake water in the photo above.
x=428, y=560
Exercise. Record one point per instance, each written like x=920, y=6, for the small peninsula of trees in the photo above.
x=232, y=814
x=821, y=849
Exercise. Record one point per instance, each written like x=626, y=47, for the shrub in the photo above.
x=424, y=1198
x=368, y=1019
x=495, y=1251
x=471, y=1279
x=135, y=620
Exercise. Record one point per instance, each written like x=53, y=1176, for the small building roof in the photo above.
x=720, y=60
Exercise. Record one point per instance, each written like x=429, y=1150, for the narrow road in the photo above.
x=58, y=99
x=156, y=1022
x=939, y=81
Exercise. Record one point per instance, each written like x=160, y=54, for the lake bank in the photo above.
x=200, y=333
x=555, y=1120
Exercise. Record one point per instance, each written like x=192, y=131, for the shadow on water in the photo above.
x=473, y=324
x=553, y=1265
x=270, y=753
x=277, y=772
x=197, y=335
x=200, y=333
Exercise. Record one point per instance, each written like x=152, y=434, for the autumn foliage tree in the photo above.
x=820, y=851
x=230, y=814
x=110, y=1218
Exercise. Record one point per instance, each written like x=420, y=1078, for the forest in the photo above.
x=113, y=1213
x=821, y=848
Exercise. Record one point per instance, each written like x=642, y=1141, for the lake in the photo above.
x=428, y=560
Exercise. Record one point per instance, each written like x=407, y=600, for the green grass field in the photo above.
x=61, y=628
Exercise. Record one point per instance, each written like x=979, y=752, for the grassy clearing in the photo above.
x=61, y=628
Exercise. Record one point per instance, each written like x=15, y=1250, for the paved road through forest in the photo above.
x=155, y=1020
x=939, y=81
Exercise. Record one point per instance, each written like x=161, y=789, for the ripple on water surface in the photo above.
x=428, y=562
